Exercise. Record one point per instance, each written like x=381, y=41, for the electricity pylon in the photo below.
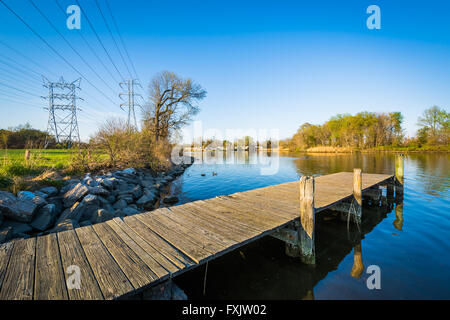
x=62, y=117
x=131, y=120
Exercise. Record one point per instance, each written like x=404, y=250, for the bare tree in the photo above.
x=172, y=103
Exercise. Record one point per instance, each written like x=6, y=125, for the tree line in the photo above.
x=24, y=137
x=366, y=130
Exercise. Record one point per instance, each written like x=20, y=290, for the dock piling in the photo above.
x=307, y=220
x=357, y=194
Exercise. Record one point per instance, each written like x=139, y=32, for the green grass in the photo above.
x=15, y=171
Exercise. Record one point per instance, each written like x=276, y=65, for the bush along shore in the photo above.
x=83, y=202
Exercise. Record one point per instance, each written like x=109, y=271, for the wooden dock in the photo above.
x=122, y=257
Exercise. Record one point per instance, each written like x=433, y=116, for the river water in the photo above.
x=408, y=241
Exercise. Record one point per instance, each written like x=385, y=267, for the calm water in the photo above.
x=412, y=249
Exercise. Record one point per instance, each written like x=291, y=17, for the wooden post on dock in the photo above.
x=307, y=220
x=399, y=162
x=357, y=194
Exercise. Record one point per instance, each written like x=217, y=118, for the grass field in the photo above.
x=14, y=167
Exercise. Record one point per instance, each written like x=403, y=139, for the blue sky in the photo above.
x=265, y=64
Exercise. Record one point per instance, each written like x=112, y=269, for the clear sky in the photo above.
x=265, y=64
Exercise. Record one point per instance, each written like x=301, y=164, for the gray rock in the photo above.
x=82, y=210
x=85, y=223
x=108, y=183
x=41, y=194
x=102, y=215
x=21, y=235
x=6, y=234
x=69, y=185
x=18, y=227
x=57, y=201
x=44, y=218
x=111, y=199
x=146, y=202
x=99, y=191
x=90, y=182
x=137, y=192
x=170, y=200
x=30, y=196
x=12, y=208
x=75, y=194
x=65, y=225
x=129, y=171
x=129, y=211
x=127, y=197
x=51, y=191
x=105, y=204
x=119, y=213
x=120, y=204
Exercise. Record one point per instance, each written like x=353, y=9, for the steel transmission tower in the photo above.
x=62, y=111
x=131, y=120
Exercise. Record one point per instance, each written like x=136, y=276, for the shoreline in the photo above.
x=85, y=201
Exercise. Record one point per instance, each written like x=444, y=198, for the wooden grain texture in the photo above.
x=194, y=249
x=307, y=212
x=112, y=281
x=165, y=248
x=19, y=277
x=152, y=258
x=136, y=270
x=357, y=185
x=5, y=254
x=49, y=282
x=72, y=254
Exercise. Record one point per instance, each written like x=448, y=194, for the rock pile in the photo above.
x=83, y=202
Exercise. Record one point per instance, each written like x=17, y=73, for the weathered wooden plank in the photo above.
x=5, y=254
x=165, y=248
x=245, y=213
x=136, y=270
x=225, y=216
x=110, y=277
x=49, y=281
x=176, y=214
x=210, y=222
x=143, y=250
x=208, y=244
x=74, y=260
x=19, y=277
x=269, y=209
x=193, y=250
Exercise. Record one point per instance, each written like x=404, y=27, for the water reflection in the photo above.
x=263, y=264
x=414, y=262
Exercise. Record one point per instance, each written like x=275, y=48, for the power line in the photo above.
x=89, y=46
x=25, y=57
x=123, y=44
x=114, y=40
x=14, y=88
x=20, y=67
x=14, y=75
x=121, y=39
x=53, y=49
x=98, y=38
x=70, y=45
